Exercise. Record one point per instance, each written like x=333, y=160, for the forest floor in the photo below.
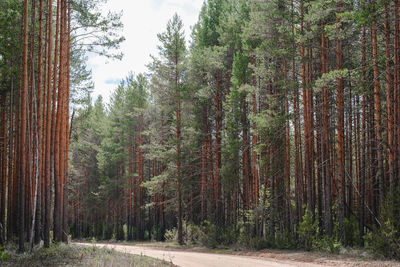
x=199, y=257
x=75, y=255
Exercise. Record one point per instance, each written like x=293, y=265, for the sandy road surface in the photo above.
x=200, y=259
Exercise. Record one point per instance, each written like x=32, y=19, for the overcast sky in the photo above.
x=142, y=21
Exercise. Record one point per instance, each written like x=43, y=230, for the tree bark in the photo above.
x=378, y=113
x=389, y=99
x=23, y=142
x=3, y=170
x=48, y=129
x=340, y=132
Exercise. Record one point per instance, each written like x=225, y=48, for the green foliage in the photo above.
x=307, y=229
x=92, y=33
x=326, y=244
x=157, y=233
x=311, y=237
x=10, y=48
x=4, y=255
x=384, y=241
x=95, y=32
x=171, y=235
x=206, y=29
x=330, y=79
x=351, y=231
x=285, y=240
x=260, y=243
x=207, y=234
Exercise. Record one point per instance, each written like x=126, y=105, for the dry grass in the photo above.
x=73, y=255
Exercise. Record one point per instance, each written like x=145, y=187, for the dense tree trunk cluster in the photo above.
x=35, y=123
x=40, y=75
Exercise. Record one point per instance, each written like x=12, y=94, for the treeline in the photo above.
x=39, y=74
x=278, y=125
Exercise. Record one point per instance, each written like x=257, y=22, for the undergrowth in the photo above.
x=72, y=255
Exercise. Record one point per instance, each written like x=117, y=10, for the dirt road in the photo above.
x=202, y=259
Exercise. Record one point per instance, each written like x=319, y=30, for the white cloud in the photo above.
x=143, y=20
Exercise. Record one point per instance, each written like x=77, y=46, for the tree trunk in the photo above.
x=378, y=113
x=178, y=154
x=340, y=132
x=23, y=142
x=48, y=130
x=204, y=167
x=287, y=155
x=141, y=178
x=218, y=154
x=39, y=126
x=3, y=170
x=389, y=98
x=246, y=155
x=297, y=131
x=396, y=96
x=326, y=141
x=256, y=186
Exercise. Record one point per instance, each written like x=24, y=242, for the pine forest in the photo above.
x=276, y=125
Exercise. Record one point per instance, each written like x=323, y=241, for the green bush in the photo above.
x=171, y=235
x=307, y=229
x=385, y=241
x=285, y=240
x=4, y=255
x=157, y=233
x=351, y=231
x=260, y=243
x=193, y=234
x=206, y=234
x=326, y=244
x=210, y=235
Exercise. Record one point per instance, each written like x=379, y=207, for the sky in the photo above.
x=142, y=20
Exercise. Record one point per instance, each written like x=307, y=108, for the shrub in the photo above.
x=207, y=234
x=351, y=231
x=307, y=229
x=171, y=235
x=260, y=243
x=326, y=244
x=285, y=240
x=385, y=240
x=157, y=233
x=210, y=235
x=193, y=234
x=230, y=235
x=3, y=254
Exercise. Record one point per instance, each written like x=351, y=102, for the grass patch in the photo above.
x=73, y=255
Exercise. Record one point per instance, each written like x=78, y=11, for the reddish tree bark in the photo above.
x=287, y=153
x=47, y=167
x=325, y=140
x=256, y=185
x=389, y=97
x=246, y=156
x=38, y=121
x=340, y=131
x=23, y=141
x=378, y=113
